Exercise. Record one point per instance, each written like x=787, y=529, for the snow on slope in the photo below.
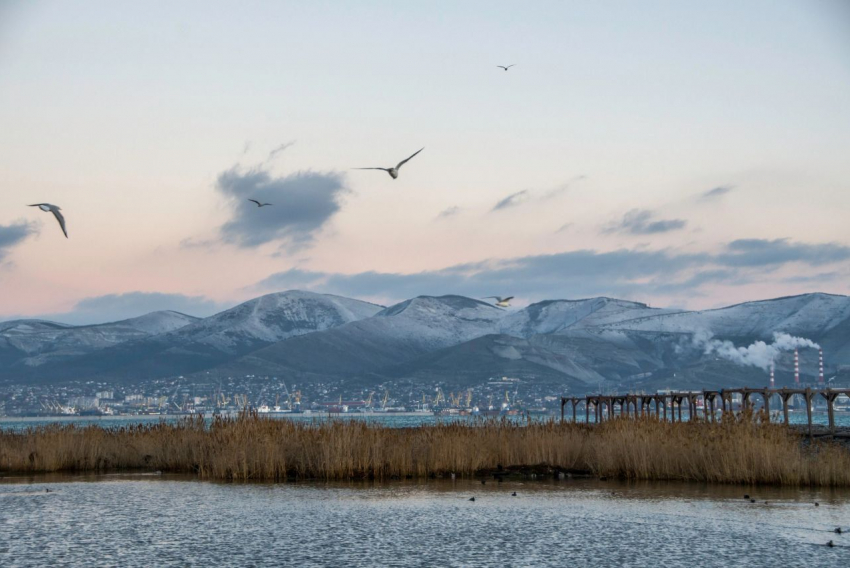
x=809, y=315
x=439, y=321
x=275, y=317
x=553, y=316
x=160, y=322
x=35, y=342
x=41, y=337
x=394, y=335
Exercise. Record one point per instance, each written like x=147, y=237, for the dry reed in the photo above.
x=734, y=450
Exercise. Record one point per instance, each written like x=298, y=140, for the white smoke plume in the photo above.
x=759, y=354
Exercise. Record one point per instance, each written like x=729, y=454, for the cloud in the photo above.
x=563, y=188
x=527, y=195
x=512, y=200
x=114, y=307
x=278, y=150
x=763, y=252
x=301, y=205
x=642, y=222
x=717, y=192
x=450, y=212
x=815, y=278
x=569, y=274
x=624, y=273
x=565, y=227
x=11, y=235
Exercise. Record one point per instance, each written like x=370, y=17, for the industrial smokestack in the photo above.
x=820, y=366
x=772, y=382
x=796, y=367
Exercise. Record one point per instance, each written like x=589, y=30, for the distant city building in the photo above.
x=84, y=402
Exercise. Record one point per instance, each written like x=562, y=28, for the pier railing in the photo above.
x=658, y=403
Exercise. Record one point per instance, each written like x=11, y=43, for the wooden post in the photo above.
x=563, y=403
x=766, y=396
x=664, y=398
x=587, y=410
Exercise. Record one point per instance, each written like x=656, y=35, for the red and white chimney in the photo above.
x=796, y=367
x=820, y=366
x=772, y=382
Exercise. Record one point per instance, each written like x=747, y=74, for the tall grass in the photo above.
x=257, y=448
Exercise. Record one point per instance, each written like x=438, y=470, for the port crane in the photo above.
x=287, y=393
x=440, y=397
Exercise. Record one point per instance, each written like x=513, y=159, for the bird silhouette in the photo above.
x=55, y=210
x=394, y=171
x=500, y=302
x=505, y=67
x=258, y=203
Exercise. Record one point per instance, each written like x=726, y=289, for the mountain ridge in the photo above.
x=324, y=337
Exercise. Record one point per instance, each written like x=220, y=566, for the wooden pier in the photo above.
x=712, y=400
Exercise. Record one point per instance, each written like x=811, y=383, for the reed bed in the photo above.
x=735, y=450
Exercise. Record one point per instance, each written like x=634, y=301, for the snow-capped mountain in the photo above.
x=553, y=316
x=394, y=335
x=809, y=315
x=207, y=342
x=317, y=337
x=36, y=342
x=272, y=318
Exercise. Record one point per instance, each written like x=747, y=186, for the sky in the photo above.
x=681, y=154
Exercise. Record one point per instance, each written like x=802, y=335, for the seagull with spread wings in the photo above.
x=500, y=302
x=505, y=68
x=55, y=210
x=258, y=203
x=394, y=171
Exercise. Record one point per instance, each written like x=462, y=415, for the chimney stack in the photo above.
x=772, y=382
x=820, y=366
x=796, y=367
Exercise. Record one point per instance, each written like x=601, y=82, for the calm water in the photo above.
x=143, y=520
x=841, y=419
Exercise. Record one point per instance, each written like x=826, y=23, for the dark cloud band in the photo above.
x=301, y=204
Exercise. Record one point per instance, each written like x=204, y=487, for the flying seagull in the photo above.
x=394, y=171
x=505, y=68
x=55, y=210
x=501, y=302
x=258, y=203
